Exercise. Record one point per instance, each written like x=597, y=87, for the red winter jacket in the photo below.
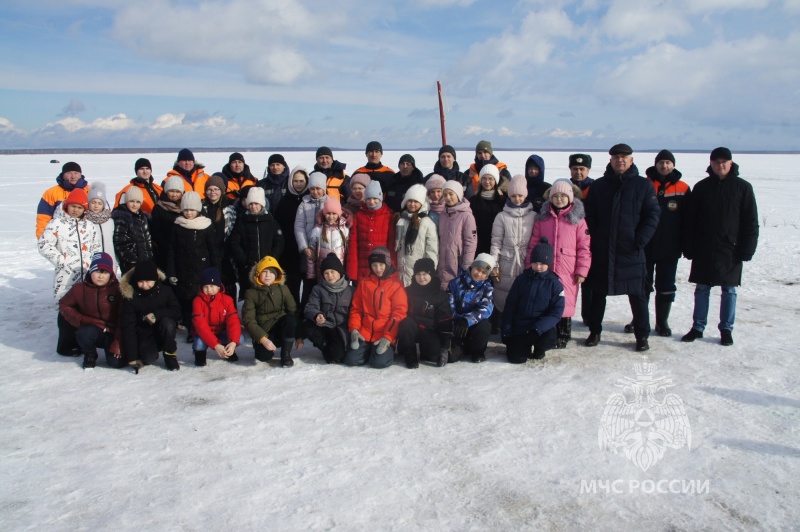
x=370, y=229
x=378, y=307
x=212, y=315
x=87, y=304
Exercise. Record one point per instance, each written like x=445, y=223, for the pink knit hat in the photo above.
x=435, y=181
x=563, y=186
x=361, y=179
x=332, y=205
x=519, y=185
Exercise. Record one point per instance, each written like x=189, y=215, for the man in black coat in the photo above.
x=622, y=214
x=722, y=233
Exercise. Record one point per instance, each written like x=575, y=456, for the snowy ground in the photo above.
x=491, y=446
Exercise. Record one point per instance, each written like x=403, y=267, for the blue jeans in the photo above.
x=199, y=345
x=727, y=307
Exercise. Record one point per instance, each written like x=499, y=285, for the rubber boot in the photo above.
x=200, y=358
x=568, y=329
x=286, y=354
x=171, y=361
x=90, y=360
x=561, y=333
x=662, y=316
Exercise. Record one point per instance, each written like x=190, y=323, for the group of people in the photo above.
x=378, y=262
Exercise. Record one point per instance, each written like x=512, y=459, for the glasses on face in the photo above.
x=213, y=190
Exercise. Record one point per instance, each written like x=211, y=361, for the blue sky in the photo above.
x=680, y=74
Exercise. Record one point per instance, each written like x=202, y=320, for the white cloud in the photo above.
x=438, y=4
x=559, y=133
x=505, y=132
x=71, y=124
x=637, y=22
x=476, y=130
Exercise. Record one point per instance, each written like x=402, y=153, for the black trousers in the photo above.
x=662, y=273
x=67, y=345
x=641, y=315
x=410, y=334
x=586, y=302
x=151, y=339
x=474, y=343
x=328, y=340
x=518, y=347
x=90, y=337
x=282, y=331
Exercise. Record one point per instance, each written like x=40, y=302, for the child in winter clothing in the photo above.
x=416, y=234
x=69, y=242
x=307, y=213
x=99, y=213
x=537, y=186
x=533, y=308
x=372, y=227
x=511, y=233
x=429, y=321
x=219, y=208
x=255, y=235
x=328, y=309
x=269, y=311
x=486, y=205
x=562, y=221
x=166, y=209
x=470, y=296
x=150, y=315
x=435, y=188
x=286, y=214
x=358, y=187
x=379, y=305
x=328, y=236
x=215, y=320
x=91, y=308
x=193, y=249
x=132, y=241
x=458, y=234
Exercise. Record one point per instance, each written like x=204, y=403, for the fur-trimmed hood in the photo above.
x=573, y=214
x=126, y=287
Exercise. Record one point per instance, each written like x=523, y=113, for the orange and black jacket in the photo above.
x=195, y=182
x=673, y=199
x=236, y=182
x=150, y=193
x=336, y=180
x=52, y=198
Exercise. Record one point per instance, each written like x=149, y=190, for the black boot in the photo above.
x=628, y=328
x=444, y=353
x=89, y=360
x=563, y=330
x=200, y=358
x=286, y=354
x=662, y=315
x=233, y=358
x=171, y=361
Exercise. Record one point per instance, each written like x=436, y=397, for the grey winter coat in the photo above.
x=335, y=306
x=511, y=233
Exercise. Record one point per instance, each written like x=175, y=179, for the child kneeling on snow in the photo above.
x=430, y=318
x=269, y=311
x=472, y=300
x=379, y=305
x=150, y=315
x=92, y=308
x=215, y=320
x=328, y=309
x=533, y=308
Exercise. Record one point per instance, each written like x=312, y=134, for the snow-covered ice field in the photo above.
x=251, y=446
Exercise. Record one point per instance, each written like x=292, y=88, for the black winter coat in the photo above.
x=485, y=211
x=286, y=213
x=161, y=228
x=673, y=199
x=193, y=248
x=453, y=174
x=429, y=306
x=396, y=189
x=622, y=214
x=722, y=229
x=535, y=303
x=136, y=304
x=132, y=241
x=254, y=237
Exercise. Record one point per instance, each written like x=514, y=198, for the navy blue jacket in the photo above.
x=535, y=303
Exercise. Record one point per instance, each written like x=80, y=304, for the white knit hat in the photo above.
x=491, y=170
x=174, y=183
x=417, y=193
x=256, y=195
x=318, y=180
x=484, y=261
x=98, y=191
x=456, y=187
x=134, y=194
x=191, y=202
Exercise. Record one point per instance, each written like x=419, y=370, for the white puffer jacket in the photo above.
x=69, y=243
x=511, y=233
x=425, y=245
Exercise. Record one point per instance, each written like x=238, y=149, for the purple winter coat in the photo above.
x=458, y=239
x=568, y=233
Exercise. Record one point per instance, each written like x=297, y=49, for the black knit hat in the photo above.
x=142, y=163
x=425, y=264
x=721, y=153
x=276, y=158
x=145, y=271
x=374, y=146
x=71, y=167
x=543, y=253
x=235, y=156
x=407, y=158
x=447, y=149
x=185, y=155
x=323, y=150
x=381, y=254
x=580, y=159
x=332, y=262
x=620, y=149
x=211, y=276
x=665, y=155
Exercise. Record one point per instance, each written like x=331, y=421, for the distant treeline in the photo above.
x=280, y=149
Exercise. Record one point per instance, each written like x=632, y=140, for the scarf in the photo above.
x=413, y=230
x=98, y=218
x=337, y=287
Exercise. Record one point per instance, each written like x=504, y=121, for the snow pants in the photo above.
x=328, y=340
x=518, y=347
x=90, y=337
x=410, y=334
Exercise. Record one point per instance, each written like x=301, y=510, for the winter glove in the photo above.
x=460, y=328
x=150, y=318
x=382, y=346
x=355, y=336
x=173, y=281
x=742, y=256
